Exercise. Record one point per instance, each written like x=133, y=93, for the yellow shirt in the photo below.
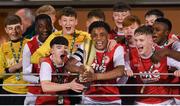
x=44, y=50
x=7, y=60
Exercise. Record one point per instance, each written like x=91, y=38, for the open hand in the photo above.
x=76, y=86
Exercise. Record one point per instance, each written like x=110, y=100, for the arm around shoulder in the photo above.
x=43, y=50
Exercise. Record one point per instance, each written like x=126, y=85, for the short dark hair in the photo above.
x=158, y=13
x=59, y=40
x=44, y=17
x=165, y=21
x=68, y=11
x=121, y=7
x=96, y=13
x=46, y=9
x=12, y=19
x=98, y=24
x=129, y=20
x=145, y=29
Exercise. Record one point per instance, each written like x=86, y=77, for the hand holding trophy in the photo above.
x=89, y=55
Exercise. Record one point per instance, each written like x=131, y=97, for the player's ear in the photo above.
x=51, y=50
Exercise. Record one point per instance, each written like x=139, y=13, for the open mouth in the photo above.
x=128, y=37
x=119, y=22
x=140, y=49
x=62, y=56
x=99, y=43
x=45, y=34
x=14, y=34
x=154, y=37
x=65, y=54
x=68, y=28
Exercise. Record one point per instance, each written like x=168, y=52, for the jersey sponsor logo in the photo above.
x=98, y=68
x=101, y=67
x=150, y=76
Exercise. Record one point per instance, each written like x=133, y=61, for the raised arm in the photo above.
x=43, y=50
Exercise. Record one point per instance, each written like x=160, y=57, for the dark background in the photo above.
x=171, y=8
